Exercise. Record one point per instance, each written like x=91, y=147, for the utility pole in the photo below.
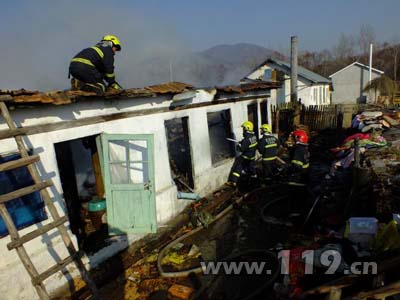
x=171, y=74
x=370, y=62
x=293, y=81
x=293, y=70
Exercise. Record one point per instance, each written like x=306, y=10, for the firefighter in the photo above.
x=93, y=65
x=268, y=148
x=246, y=160
x=299, y=163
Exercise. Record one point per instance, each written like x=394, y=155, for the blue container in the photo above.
x=97, y=204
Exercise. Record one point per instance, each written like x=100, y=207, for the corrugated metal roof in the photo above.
x=303, y=72
x=314, y=77
x=356, y=63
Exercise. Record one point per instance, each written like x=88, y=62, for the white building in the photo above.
x=313, y=89
x=138, y=122
x=349, y=83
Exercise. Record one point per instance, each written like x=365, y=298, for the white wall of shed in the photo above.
x=14, y=280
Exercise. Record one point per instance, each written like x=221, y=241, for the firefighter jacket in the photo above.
x=248, y=146
x=268, y=147
x=100, y=57
x=301, y=156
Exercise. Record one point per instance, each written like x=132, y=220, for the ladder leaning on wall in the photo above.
x=17, y=241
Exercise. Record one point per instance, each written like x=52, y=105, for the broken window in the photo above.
x=264, y=112
x=252, y=115
x=25, y=210
x=180, y=160
x=220, y=128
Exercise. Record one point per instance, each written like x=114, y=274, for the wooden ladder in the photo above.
x=17, y=241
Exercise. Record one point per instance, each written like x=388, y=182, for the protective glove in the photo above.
x=115, y=86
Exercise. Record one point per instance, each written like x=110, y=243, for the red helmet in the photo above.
x=300, y=136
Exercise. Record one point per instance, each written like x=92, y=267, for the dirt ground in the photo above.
x=261, y=222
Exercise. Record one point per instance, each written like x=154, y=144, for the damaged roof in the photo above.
x=245, y=87
x=23, y=96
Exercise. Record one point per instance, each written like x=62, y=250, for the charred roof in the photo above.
x=26, y=97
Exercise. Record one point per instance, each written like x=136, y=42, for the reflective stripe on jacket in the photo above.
x=100, y=57
x=248, y=146
x=301, y=156
x=268, y=147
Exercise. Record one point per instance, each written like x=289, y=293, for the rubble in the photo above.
x=350, y=211
x=180, y=291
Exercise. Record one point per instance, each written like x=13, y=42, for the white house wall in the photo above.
x=282, y=95
x=14, y=280
x=349, y=83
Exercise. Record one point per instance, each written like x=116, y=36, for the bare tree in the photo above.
x=344, y=49
x=324, y=60
x=394, y=50
x=365, y=38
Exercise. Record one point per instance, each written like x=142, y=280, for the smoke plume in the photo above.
x=40, y=38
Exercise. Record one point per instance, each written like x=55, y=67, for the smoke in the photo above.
x=39, y=38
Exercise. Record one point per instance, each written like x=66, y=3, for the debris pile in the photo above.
x=345, y=241
x=370, y=120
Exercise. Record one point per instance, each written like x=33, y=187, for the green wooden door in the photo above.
x=128, y=170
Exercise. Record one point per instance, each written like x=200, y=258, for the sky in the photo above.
x=40, y=37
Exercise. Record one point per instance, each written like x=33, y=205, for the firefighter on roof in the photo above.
x=246, y=160
x=90, y=67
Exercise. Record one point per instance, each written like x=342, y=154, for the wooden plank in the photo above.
x=49, y=203
x=25, y=191
x=54, y=269
x=35, y=129
x=337, y=283
x=23, y=255
x=383, y=292
x=5, y=98
x=335, y=294
x=277, y=117
x=36, y=233
x=14, y=164
x=98, y=175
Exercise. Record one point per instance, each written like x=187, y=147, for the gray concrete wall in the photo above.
x=349, y=83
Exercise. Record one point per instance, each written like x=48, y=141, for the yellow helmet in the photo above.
x=114, y=40
x=248, y=126
x=266, y=128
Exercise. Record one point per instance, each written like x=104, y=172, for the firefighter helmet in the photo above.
x=300, y=136
x=266, y=128
x=114, y=40
x=248, y=126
